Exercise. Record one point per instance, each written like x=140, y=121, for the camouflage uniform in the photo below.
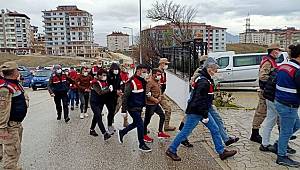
x=10, y=131
x=261, y=110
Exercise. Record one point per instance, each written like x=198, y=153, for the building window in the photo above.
x=61, y=23
x=54, y=13
x=60, y=13
x=223, y=62
x=61, y=28
x=72, y=18
x=61, y=19
x=55, y=28
x=55, y=23
x=73, y=33
x=72, y=23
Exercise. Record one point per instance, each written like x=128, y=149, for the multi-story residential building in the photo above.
x=214, y=36
x=69, y=31
x=15, y=32
x=261, y=37
x=288, y=37
x=117, y=41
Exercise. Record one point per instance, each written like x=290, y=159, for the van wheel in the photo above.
x=34, y=88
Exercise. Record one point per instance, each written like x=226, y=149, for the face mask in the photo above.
x=144, y=75
x=58, y=71
x=85, y=73
x=165, y=67
x=88, y=70
x=67, y=73
x=99, y=66
x=116, y=71
x=104, y=78
x=158, y=78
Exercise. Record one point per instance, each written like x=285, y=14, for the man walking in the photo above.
x=13, y=108
x=165, y=104
x=134, y=100
x=58, y=88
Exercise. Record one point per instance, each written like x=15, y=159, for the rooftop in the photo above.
x=117, y=34
x=14, y=13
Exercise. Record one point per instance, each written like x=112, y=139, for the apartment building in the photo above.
x=214, y=36
x=261, y=37
x=15, y=32
x=69, y=31
x=288, y=37
x=118, y=41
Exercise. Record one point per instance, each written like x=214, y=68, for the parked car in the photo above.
x=26, y=76
x=240, y=71
x=40, y=79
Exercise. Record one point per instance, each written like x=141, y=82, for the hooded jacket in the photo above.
x=114, y=79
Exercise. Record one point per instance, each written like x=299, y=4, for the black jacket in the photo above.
x=200, y=100
x=114, y=79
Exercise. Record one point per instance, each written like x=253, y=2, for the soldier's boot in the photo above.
x=255, y=137
x=167, y=127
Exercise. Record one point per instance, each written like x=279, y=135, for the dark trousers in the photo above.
x=72, y=96
x=150, y=110
x=97, y=118
x=77, y=97
x=84, y=101
x=58, y=98
x=111, y=107
x=137, y=123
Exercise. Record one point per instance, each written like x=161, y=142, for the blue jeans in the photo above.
x=219, y=122
x=289, y=124
x=137, y=123
x=191, y=122
x=72, y=96
x=270, y=122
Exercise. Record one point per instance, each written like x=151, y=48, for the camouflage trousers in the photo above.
x=260, y=112
x=118, y=107
x=165, y=104
x=10, y=145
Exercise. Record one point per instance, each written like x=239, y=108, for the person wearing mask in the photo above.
x=83, y=83
x=153, y=93
x=124, y=79
x=13, y=109
x=133, y=101
x=99, y=96
x=198, y=110
x=165, y=104
x=58, y=89
x=267, y=64
x=114, y=79
x=73, y=88
x=287, y=101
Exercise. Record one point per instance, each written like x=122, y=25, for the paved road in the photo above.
x=52, y=144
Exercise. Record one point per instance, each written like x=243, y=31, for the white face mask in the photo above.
x=85, y=73
x=58, y=71
x=99, y=65
x=67, y=73
x=158, y=78
x=144, y=75
x=166, y=67
x=116, y=71
x=103, y=78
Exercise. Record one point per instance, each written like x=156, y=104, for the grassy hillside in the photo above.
x=246, y=48
x=34, y=61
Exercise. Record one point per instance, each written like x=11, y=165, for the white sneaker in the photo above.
x=86, y=115
x=81, y=116
x=111, y=130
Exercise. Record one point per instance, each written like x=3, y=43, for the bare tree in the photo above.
x=179, y=15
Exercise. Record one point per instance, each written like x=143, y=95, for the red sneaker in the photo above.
x=162, y=135
x=148, y=139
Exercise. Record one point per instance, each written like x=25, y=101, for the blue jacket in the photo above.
x=58, y=84
x=288, y=83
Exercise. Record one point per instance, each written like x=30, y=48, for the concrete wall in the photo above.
x=177, y=90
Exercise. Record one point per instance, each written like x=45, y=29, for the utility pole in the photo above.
x=140, y=45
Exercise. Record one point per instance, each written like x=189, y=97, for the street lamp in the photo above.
x=140, y=45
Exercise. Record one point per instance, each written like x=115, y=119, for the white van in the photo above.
x=240, y=71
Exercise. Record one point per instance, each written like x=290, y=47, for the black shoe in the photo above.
x=269, y=148
x=67, y=119
x=144, y=148
x=286, y=161
x=293, y=137
x=58, y=118
x=226, y=154
x=232, y=140
x=120, y=136
x=290, y=150
x=72, y=107
x=106, y=136
x=173, y=156
x=255, y=137
x=93, y=133
x=186, y=143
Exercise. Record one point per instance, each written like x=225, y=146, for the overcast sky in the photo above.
x=112, y=15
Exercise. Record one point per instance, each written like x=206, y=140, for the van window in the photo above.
x=223, y=62
x=280, y=59
x=239, y=61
